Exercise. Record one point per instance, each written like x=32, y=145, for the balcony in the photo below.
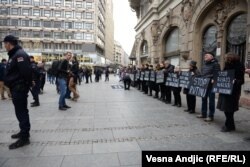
x=135, y=5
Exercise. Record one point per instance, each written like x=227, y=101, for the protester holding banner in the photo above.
x=145, y=79
x=191, y=99
x=210, y=67
x=230, y=103
x=157, y=85
x=151, y=81
x=137, y=78
x=177, y=90
x=169, y=68
x=162, y=84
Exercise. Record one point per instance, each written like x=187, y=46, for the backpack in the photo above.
x=55, y=67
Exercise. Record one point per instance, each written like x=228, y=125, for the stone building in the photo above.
x=49, y=28
x=182, y=30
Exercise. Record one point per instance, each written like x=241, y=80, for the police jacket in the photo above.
x=35, y=72
x=18, y=69
x=210, y=69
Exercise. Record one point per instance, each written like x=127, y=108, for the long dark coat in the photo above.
x=230, y=103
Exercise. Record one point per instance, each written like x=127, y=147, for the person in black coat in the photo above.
x=177, y=91
x=191, y=99
x=169, y=68
x=230, y=103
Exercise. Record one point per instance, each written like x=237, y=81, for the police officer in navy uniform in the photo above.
x=35, y=82
x=18, y=78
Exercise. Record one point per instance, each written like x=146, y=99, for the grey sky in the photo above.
x=125, y=21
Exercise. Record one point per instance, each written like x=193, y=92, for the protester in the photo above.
x=126, y=79
x=177, y=90
x=169, y=68
x=18, y=78
x=230, y=103
x=191, y=99
x=210, y=67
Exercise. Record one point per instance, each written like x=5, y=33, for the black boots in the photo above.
x=19, y=143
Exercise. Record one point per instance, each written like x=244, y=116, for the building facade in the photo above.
x=49, y=28
x=183, y=30
x=120, y=57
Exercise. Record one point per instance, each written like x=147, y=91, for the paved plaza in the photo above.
x=109, y=127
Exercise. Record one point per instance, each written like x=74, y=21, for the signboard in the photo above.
x=142, y=76
x=132, y=77
x=160, y=76
x=224, y=82
x=146, y=76
x=152, y=76
x=198, y=86
x=137, y=75
x=172, y=80
x=185, y=78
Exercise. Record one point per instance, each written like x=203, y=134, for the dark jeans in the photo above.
x=35, y=92
x=229, y=120
x=63, y=88
x=87, y=78
x=177, y=96
x=20, y=101
x=191, y=102
x=168, y=93
x=211, y=97
x=163, y=91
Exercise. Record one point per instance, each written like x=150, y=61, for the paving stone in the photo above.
x=96, y=160
x=130, y=158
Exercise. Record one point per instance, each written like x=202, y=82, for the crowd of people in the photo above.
x=20, y=74
x=229, y=104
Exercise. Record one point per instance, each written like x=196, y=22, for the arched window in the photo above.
x=172, y=42
x=144, y=48
x=209, y=41
x=236, y=36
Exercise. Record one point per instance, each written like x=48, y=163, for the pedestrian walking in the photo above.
x=35, y=82
x=63, y=73
x=18, y=78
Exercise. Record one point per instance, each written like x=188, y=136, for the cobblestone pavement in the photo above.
x=109, y=127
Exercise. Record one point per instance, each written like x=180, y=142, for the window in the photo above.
x=78, y=15
x=47, y=46
x=47, y=34
x=47, y=13
x=88, y=26
x=58, y=14
x=57, y=35
x=78, y=25
x=14, y=22
x=3, y=22
x=4, y=11
x=88, y=15
x=25, y=12
x=25, y=33
x=57, y=24
x=15, y=33
x=68, y=25
x=88, y=36
x=69, y=35
x=172, y=44
x=25, y=23
x=4, y=1
x=68, y=3
x=46, y=2
x=58, y=2
x=78, y=47
x=68, y=14
x=36, y=23
x=15, y=1
x=26, y=2
x=14, y=11
x=36, y=12
x=144, y=48
x=36, y=2
x=79, y=4
x=89, y=5
x=210, y=40
x=36, y=34
x=78, y=36
x=47, y=24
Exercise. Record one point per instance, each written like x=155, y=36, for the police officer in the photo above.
x=18, y=78
x=35, y=82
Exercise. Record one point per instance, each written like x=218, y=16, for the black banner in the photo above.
x=198, y=86
x=185, y=78
x=224, y=82
x=146, y=76
x=195, y=158
x=152, y=76
x=160, y=77
x=172, y=80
